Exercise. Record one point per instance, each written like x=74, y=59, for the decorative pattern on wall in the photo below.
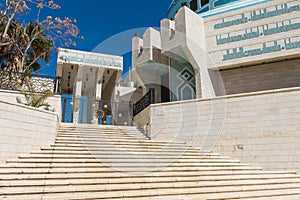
x=10, y=80
x=187, y=89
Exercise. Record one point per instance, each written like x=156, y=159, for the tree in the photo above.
x=24, y=44
x=33, y=98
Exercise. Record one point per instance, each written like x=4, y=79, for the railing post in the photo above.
x=57, y=81
x=131, y=112
x=55, y=85
x=152, y=95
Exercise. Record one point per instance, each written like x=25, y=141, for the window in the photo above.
x=204, y=2
x=194, y=5
x=184, y=4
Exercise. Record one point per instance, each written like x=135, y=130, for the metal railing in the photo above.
x=15, y=80
x=113, y=113
x=144, y=102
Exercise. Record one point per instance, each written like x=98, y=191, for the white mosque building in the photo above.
x=210, y=110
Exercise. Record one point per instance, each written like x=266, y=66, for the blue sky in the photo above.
x=99, y=20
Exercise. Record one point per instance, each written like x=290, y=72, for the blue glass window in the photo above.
x=194, y=5
x=222, y=2
x=204, y=2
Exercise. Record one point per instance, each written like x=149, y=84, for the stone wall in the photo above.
x=278, y=75
x=24, y=129
x=10, y=96
x=261, y=128
x=142, y=121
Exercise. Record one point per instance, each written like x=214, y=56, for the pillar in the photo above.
x=77, y=94
x=98, y=92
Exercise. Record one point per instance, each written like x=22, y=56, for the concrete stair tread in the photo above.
x=60, y=175
x=132, y=157
x=123, y=141
x=111, y=162
x=291, y=194
x=117, y=150
x=208, y=186
x=124, y=148
x=132, y=162
x=120, y=153
x=202, y=192
x=106, y=172
x=141, y=179
x=277, y=197
x=107, y=144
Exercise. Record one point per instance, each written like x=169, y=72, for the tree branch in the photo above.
x=5, y=44
x=29, y=45
x=10, y=19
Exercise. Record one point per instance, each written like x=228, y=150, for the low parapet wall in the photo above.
x=262, y=128
x=142, y=121
x=23, y=129
x=11, y=96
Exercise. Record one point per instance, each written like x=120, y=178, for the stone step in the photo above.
x=132, y=148
x=249, y=184
x=111, y=162
x=118, y=151
x=274, y=193
x=269, y=197
x=98, y=136
x=105, y=144
x=143, y=179
x=41, y=174
x=105, y=172
x=131, y=156
x=100, y=132
x=204, y=191
x=122, y=153
x=290, y=194
x=131, y=163
x=125, y=159
x=119, y=141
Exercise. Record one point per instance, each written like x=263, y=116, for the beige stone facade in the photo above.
x=24, y=129
x=247, y=75
x=261, y=128
x=246, y=45
x=282, y=74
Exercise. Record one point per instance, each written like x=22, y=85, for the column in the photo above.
x=98, y=92
x=77, y=94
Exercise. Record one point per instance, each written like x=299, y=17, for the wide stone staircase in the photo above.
x=102, y=162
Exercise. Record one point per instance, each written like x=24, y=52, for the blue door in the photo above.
x=67, y=109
